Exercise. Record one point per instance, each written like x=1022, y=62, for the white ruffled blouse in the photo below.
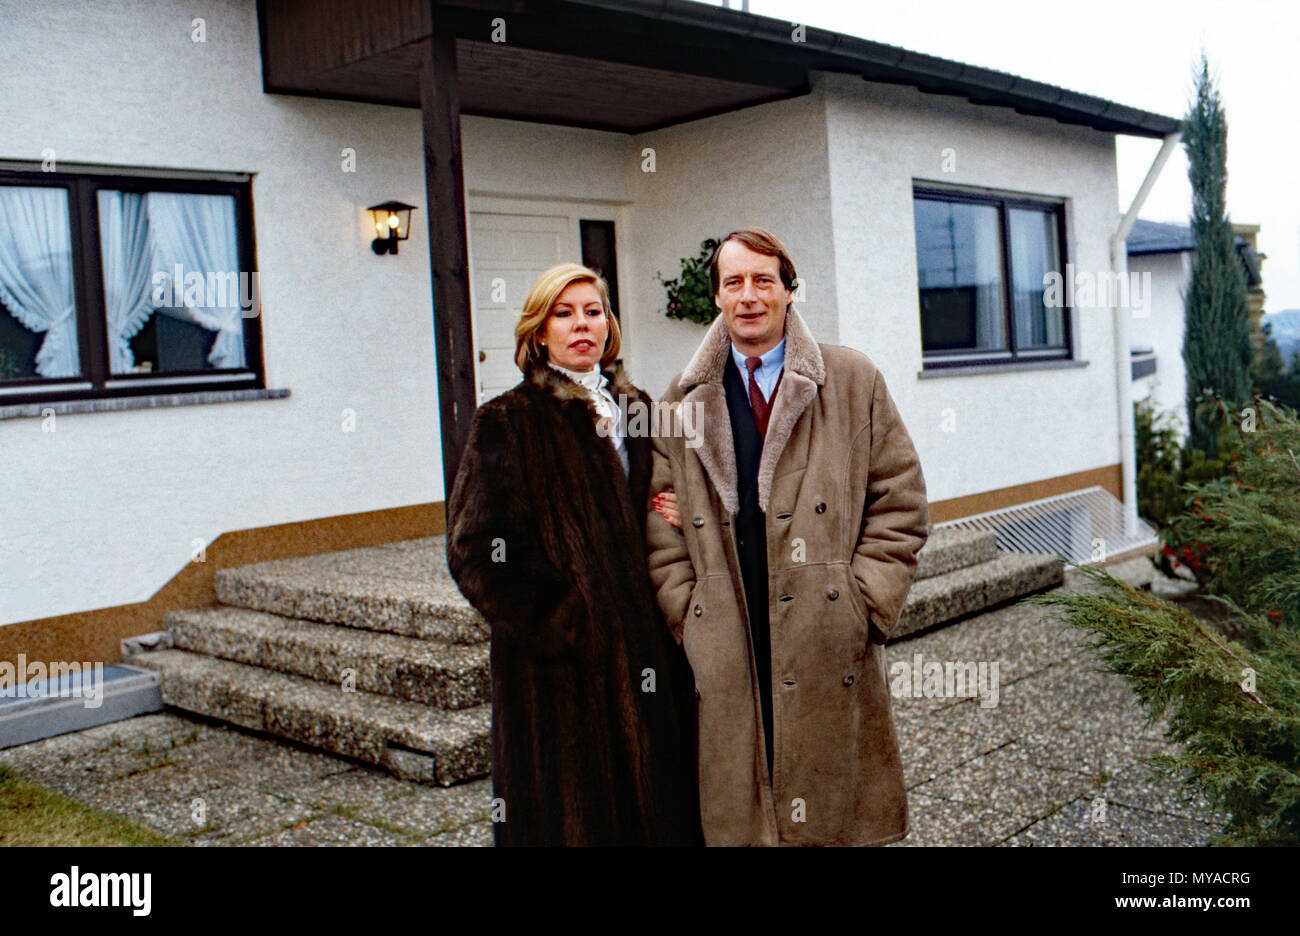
x=596, y=385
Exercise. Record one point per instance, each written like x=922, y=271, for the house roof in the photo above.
x=1156, y=237
x=624, y=65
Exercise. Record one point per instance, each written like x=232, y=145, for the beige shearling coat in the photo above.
x=846, y=513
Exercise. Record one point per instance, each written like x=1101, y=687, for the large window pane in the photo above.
x=38, y=314
x=1035, y=252
x=171, y=281
x=958, y=250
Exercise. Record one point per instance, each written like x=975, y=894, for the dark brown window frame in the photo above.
x=934, y=360
x=88, y=291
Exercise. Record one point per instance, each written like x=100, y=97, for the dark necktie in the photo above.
x=759, y=405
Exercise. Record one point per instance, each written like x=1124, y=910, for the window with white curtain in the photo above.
x=982, y=265
x=38, y=312
x=116, y=285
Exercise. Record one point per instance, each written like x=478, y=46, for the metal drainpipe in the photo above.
x=1123, y=361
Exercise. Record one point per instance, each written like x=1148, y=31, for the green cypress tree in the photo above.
x=1216, y=340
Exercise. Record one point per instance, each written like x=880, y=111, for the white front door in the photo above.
x=508, y=253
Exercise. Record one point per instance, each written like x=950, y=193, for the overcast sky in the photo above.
x=1140, y=53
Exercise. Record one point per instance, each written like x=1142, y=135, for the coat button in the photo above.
x=698, y=522
x=821, y=507
x=848, y=680
x=698, y=610
x=833, y=594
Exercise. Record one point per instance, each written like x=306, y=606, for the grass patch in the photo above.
x=33, y=815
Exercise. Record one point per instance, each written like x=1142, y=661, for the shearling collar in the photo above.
x=804, y=374
x=802, y=356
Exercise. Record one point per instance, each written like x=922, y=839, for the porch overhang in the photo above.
x=622, y=65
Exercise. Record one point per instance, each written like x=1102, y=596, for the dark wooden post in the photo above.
x=448, y=251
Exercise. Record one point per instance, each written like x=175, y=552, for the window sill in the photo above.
x=963, y=370
x=112, y=404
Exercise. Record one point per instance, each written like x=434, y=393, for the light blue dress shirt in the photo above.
x=767, y=372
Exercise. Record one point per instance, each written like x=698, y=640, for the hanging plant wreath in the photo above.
x=690, y=296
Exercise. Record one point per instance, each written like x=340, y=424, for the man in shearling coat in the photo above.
x=803, y=507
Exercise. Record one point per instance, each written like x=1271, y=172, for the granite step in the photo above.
x=957, y=593
x=951, y=548
x=412, y=740
x=404, y=588
x=400, y=588
x=445, y=675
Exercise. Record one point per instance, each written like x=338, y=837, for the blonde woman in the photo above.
x=593, y=715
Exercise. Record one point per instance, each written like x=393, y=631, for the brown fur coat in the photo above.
x=546, y=538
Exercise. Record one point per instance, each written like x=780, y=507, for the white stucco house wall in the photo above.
x=334, y=436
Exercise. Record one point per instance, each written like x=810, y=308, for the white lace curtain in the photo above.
x=140, y=235
x=197, y=233
x=36, y=272
x=127, y=251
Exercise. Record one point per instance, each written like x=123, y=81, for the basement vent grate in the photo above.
x=1082, y=527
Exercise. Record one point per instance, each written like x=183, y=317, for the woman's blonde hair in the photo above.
x=537, y=309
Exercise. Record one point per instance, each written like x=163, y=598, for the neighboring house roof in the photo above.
x=1156, y=237
x=625, y=65
x=1153, y=237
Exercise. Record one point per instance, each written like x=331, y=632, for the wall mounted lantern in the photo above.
x=392, y=224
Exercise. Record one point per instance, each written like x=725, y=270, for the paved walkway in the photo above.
x=1035, y=768
x=1028, y=771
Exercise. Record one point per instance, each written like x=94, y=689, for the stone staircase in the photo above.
x=960, y=572
x=374, y=654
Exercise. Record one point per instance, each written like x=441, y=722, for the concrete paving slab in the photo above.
x=943, y=822
x=1074, y=826
x=1009, y=780
x=930, y=750
x=478, y=834
x=330, y=830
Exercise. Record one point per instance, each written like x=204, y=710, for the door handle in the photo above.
x=482, y=356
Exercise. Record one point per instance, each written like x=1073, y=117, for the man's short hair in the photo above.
x=759, y=240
